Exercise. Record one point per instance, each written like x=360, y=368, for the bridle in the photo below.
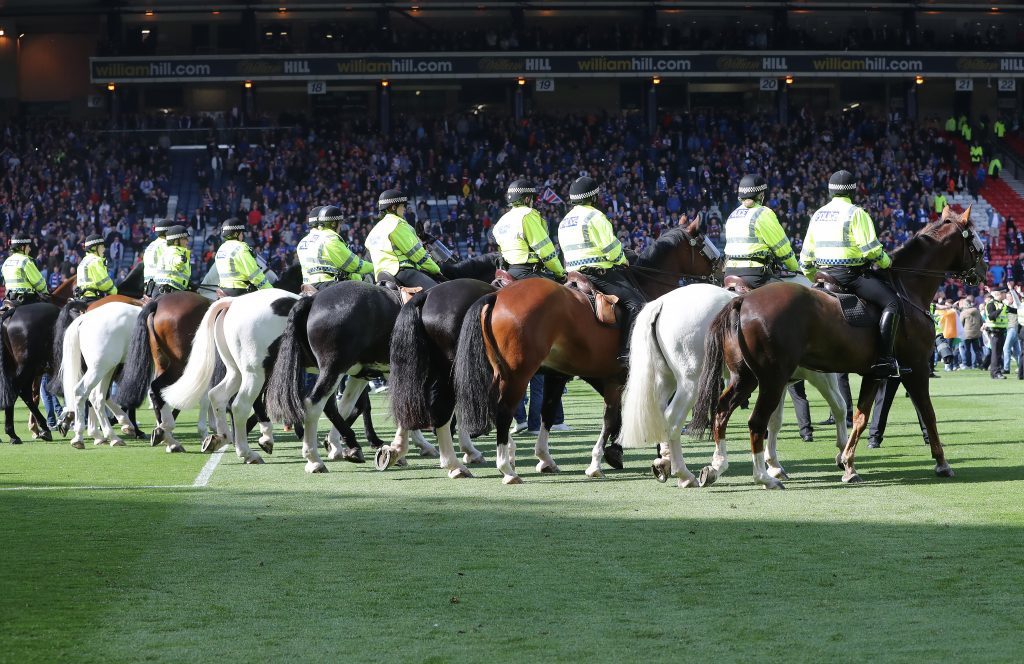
x=698, y=245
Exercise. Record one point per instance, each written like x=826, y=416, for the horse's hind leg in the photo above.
x=865, y=400
x=165, y=415
x=98, y=400
x=241, y=407
x=470, y=454
x=364, y=408
x=43, y=431
x=774, y=468
x=511, y=391
x=917, y=385
x=768, y=401
x=342, y=431
x=675, y=417
x=553, y=386
x=449, y=461
x=9, y=424
x=741, y=386
x=259, y=409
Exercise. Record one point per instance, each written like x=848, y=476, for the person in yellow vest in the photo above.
x=93, y=273
x=152, y=258
x=977, y=153
x=951, y=124
x=756, y=247
x=22, y=279
x=522, y=237
x=324, y=257
x=395, y=250
x=965, y=132
x=994, y=167
x=589, y=245
x=176, y=267
x=841, y=242
x=940, y=201
x=999, y=128
x=997, y=320
x=236, y=264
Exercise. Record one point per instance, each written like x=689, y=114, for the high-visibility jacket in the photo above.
x=522, y=237
x=21, y=274
x=1000, y=320
x=754, y=238
x=940, y=202
x=841, y=234
x=999, y=128
x=951, y=124
x=588, y=240
x=977, y=153
x=394, y=246
x=152, y=259
x=324, y=256
x=936, y=319
x=966, y=132
x=176, y=267
x=994, y=166
x=94, y=276
x=237, y=268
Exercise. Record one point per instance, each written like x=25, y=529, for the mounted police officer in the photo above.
x=21, y=276
x=93, y=273
x=841, y=242
x=176, y=266
x=152, y=258
x=756, y=247
x=522, y=237
x=324, y=257
x=589, y=245
x=395, y=249
x=236, y=264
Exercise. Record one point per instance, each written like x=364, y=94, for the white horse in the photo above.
x=99, y=338
x=666, y=359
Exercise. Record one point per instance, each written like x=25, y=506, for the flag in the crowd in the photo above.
x=550, y=197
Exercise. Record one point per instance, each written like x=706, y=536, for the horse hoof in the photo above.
x=266, y=445
x=78, y=445
x=839, y=462
x=944, y=471
x=116, y=442
x=175, y=448
x=708, y=476
x=211, y=443
x=383, y=459
x=129, y=429
x=156, y=437
x=778, y=473
x=315, y=467
x=15, y=441
x=63, y=429
x=254, y=460
x=474, y=460
x=99, y=441
x=402, y=463
x=659, y=471
x=594, y=473
x=376, y=443
x=774, y=485
x=353, y=455
x=687, y=482
x=613, y=455
x=46, y=435
x=852, y=478
x=430, y=453
x=544, y=467
x=512, y=479
x=460, y=474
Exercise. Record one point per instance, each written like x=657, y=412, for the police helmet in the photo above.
x=842, y=183
x=752, y=186
x=162, y=226
x=21, y=241
x=176, y=232
x=519, y=191
x=584, y=189
x=390, y=198
x=92, y=241
x=231, y=226
x=325, y=215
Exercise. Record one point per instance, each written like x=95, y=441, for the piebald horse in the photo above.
x=536, y=324
x=666, y=357
x=762, y=337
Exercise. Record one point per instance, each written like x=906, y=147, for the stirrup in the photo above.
x=888, y=367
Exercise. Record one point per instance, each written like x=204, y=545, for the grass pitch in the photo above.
x=267, y=563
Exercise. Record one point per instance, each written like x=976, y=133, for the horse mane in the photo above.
x=927, y=236
x=666, y=243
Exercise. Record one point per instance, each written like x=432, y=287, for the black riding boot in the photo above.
x=627, y=332
x=887, y=367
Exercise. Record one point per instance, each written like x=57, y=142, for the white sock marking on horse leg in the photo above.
x=543, y=453
x=594, y=469
x=720, y=459
x=469, y=453
x=679, y=469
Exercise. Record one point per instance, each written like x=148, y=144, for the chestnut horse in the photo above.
x=765, y=335
x=536, y=324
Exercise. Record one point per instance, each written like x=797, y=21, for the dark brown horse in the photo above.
x=537, y=324
x=765, y=335
x=27, y=336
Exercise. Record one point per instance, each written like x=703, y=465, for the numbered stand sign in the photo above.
x=964, y=84
x=545, y=85
x=769, y=84
x=316, y=87
x=1007, y=85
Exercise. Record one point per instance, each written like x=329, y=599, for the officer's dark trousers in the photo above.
x=887, y=390
x=235, y=292
x=866, y=284
x=798, y=393
x=995, y=364
x=755, y=277
x=527, y=270
x=414, y=278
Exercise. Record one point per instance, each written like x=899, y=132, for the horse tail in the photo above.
x=411, y=352
x=195, y=380
x=7, y=395
x=475, y=379
x=643, y=403
x=71, y=362
x=136, y=375
x=726, y=322
x=68, y=313
x=286, y=384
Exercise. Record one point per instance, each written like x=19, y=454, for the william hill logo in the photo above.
x=978, y=64
x=739, y=63
x=1011, y=64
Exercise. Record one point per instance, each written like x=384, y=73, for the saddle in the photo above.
x=856, y=311
x=736, y=284
x=502, y=278
x=603, y=305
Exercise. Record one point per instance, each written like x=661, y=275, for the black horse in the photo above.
x=343, y=329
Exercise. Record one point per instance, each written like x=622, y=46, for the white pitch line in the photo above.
x=203, y=478
x=97, y=488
